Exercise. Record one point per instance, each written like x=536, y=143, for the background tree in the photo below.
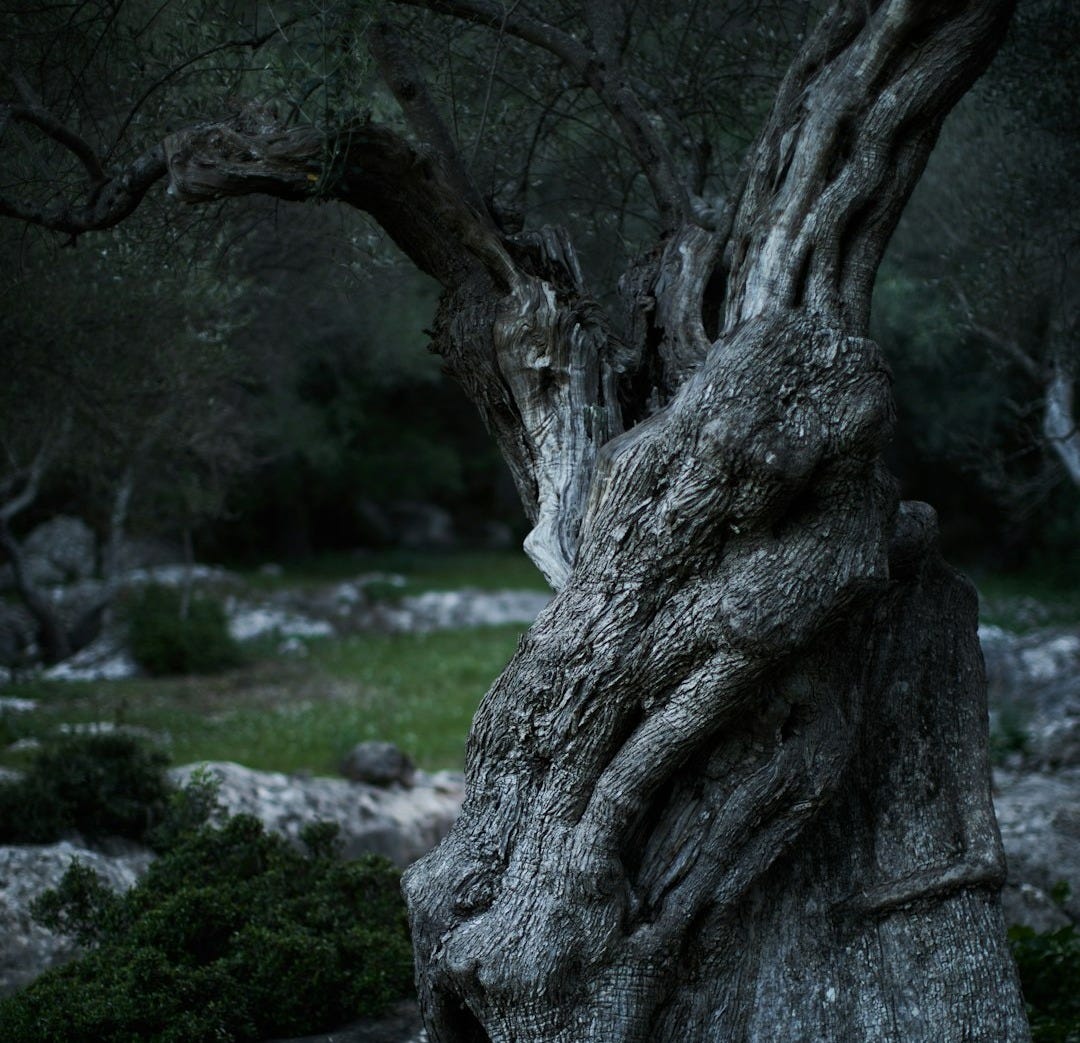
x=985, y=257
x=734, y=783
x=121, y=394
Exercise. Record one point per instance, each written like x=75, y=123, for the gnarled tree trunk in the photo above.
x=733, y=785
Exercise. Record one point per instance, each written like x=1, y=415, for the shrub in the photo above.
x=1009, y=734
x=96, y=785
x=167, y=637
x=1049, y=965
x=233, y=934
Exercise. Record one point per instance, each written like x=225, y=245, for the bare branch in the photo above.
x=253, y=43
x=32, y=476
x=1006, y=345
x=114, y=199
x=36, y=116
x=401, y=76
x=604, y=77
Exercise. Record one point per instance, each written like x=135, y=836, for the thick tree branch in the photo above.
x=405, y=83
x=854, y=122
x=114, y=199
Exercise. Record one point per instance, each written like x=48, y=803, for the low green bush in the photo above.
x=96, y=785
x=1049, y=965
x=1009, y=734
x=169, y=636
x=233, y=934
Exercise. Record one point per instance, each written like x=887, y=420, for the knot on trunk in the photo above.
x=252, y=151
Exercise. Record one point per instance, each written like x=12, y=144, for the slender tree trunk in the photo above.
x=52, y=635
x=1060, y=426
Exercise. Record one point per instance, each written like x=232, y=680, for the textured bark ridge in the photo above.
x=733, y=786
x=720, y=794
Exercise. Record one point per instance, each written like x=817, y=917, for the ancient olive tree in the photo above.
x=734, y=783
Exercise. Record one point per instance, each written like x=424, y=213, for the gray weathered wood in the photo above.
x=733, y=786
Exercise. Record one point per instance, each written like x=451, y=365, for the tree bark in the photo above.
x=734, y=784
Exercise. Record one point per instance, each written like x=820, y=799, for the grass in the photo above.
x=416, y=690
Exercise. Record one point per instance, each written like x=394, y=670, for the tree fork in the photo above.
x=733, y=786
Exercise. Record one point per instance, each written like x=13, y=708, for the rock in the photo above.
x=1039, y=817
x=445, y=609
x=61, y=550
x=400, y=1025
x=400, y=824
x=104, y=659
x=247, y=622
x=1040, y=670
x=422, y=526
x=1033, y=682
x=25, y=872
x=378, y=764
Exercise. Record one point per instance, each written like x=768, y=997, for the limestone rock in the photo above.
x=1039, y=817
x=1035, y=680
x=25, y=872
x=378, y=764
x=399, y=824
x=60, y=550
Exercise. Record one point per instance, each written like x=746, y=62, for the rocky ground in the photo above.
x=1034, y=689
x=288, y=617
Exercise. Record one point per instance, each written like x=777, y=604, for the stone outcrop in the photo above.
x=60, y=550
x=1033, y=685
x=396, y=822
x=1039, y=817
x=378, y=764
x=26, y=871
x=400, y=824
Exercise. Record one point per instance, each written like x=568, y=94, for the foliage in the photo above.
x=1049, y=965
x=169, y=634
x=96, y=785
x=233, y=934
x=1009, y=734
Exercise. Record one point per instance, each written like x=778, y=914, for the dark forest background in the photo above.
x=257, y=378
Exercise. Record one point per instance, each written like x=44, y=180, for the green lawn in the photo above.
x=302, y=714
x=418, y=691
